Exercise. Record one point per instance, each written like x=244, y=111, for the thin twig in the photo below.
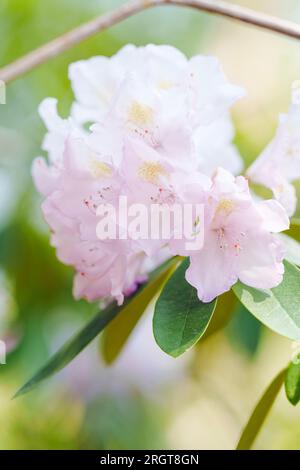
x=66, y=41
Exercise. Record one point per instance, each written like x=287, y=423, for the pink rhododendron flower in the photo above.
x=160, y=96
x=279, y=163
x=157, y=70
x=74, y=191
x=152, y=126
x=238, y=241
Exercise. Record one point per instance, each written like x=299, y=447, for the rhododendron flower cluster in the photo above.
x=153, y=126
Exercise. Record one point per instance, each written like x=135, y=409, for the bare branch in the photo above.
x=69, y=39
x=66, y=41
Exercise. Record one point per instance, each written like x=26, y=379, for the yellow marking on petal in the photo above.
x=279, y=189
x=292, y=152
x=226, y=206
x=150, y=171
x=165, y=85
x=140, y=114
x=100, y=169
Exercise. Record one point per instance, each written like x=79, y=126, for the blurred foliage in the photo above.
x=126, y=423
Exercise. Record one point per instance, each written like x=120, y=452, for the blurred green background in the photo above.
x=146, y=400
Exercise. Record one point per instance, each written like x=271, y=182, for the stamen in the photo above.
x=226, y=206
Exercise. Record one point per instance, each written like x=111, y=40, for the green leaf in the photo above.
x=180, y=318
x=222, y=315
x=118, y=331
x=292, y=382
x=72, y=348
x=279, y=308
x=260, y=413
x=245, y=330
x=294, y=230
x=80, y=340
x=292, y=248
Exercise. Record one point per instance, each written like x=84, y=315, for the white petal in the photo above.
x=275, y=218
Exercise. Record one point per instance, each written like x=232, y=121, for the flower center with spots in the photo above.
x=225, y=206
x=165, y=85
x=100, y=169
x=151, y=171
x=140, y=114
x=227, y=241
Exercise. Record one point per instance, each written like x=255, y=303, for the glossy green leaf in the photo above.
x=79, y=341
x=222, y=315
x=245, y=330
x=292, y=381
x=279, y=308
x=260, y=413
x=180, y=319
x=118, y=331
